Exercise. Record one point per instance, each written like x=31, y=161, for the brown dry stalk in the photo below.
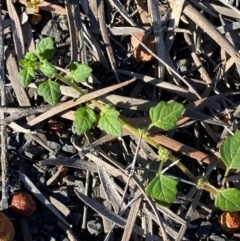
x=203, y=23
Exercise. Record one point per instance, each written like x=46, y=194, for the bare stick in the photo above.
x=4, y=162
x=106, y=40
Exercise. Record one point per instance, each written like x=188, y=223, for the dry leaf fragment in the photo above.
x=7, y=231
x=139, y=52
x=64, y=171
x=230, y=222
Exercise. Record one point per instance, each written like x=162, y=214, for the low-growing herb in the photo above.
x=164, y=115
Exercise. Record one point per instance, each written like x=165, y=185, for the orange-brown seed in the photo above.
x=7, y=231
x=230, y=222
x=22, y=204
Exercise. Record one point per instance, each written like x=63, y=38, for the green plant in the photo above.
x=162, y=188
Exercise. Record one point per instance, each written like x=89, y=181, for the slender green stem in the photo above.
x=160, y=167
x=138, y=134
x=157, y=146
x=183, y=168
x=77, y=88
x=202, y=183
x=225, y=177
x=69, y=83
x=210, y=188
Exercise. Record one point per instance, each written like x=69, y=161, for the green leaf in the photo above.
x=163, y=189
x=47, y=68
x=45, y=48
x=26, y=75
x=80, y=72
x=84, y=119
x=110, y=122
x=23, y=62
x=50, y=91
x=230, y=151
x=31, y=56
x=228, y=199
x=165, y=115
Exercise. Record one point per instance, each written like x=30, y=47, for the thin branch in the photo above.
x=4, y=161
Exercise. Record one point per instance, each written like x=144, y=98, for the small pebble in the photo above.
x=94, y=227
x=51, y=30
x=34, y=152
x=69, y=148
x=204, y=229
x=215, y=237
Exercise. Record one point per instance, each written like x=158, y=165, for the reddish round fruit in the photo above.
x=7, y=231
x=230, y=222
x=22, y=204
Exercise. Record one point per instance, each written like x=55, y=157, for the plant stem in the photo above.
x=211, y=189
x=202, y=183
x=183, y=168
x=69, y=83
x=160, y=167
x=130, y=128
x=158, y=146
x=77, y=88
x=225, y=177
x=138, y=134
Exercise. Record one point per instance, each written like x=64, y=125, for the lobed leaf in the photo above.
x=23, y=62
x=80, y=72
x=47, y=68
x=45, y=48
x=50, y=91
x=26, y=75
x=31, y=56
x=165, y=115
x=230, y=151
x=84, y=119
x=163, y=189
x=228, y=199
x=109, y=122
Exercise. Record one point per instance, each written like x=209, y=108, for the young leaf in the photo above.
x=26, y=75
x=50, y=91
x=163, y=189
x=31, y=56
x=84, y=119
x=110, y=122
x=34, y=4
x=47, y=68
x=80, y=72
x=228, y=199
x=165, y=115
x=230, y=151
x=45, y=48
x=24, y=63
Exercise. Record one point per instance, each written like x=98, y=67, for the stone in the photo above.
x=51, y=30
